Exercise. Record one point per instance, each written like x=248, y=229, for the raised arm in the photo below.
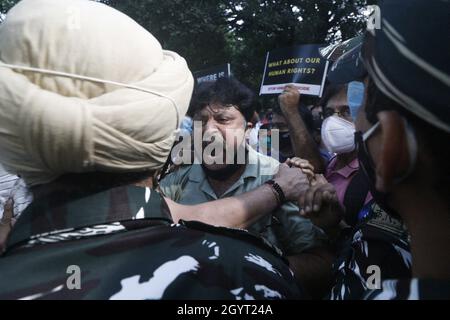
x=302, y=141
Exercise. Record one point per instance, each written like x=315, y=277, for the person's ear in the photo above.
x=393, y=157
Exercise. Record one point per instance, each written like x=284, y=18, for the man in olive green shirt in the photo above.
x=223, y=110
x=285, y=229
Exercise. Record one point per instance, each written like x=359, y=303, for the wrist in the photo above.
x=277, y=191
x=289, y=110
x=271, y=194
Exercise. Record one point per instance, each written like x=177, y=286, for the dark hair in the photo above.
x=224, y=91
x=330, y=91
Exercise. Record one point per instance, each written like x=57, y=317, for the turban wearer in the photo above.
x=84, y=88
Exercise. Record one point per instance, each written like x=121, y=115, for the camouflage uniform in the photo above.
x=378, y=240
x=284, y=228
x=126, y=247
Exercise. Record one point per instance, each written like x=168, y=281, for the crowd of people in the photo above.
x=118, y=165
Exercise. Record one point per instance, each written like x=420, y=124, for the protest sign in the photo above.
x=212, y=74
x=302, y=66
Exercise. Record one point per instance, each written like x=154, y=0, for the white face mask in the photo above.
x=338, y=135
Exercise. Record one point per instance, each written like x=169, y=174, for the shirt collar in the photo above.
x=346, y=171
x=197, y=175
x=251, y=169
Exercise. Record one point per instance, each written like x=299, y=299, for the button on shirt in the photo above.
x=288, y=230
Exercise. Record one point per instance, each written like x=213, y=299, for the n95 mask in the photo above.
x=338, y=135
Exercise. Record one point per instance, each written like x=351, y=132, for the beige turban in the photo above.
x=51, y=125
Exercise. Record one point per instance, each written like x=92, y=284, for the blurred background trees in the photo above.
x=214, y=32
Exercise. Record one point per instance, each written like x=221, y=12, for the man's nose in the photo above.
x=210, y=126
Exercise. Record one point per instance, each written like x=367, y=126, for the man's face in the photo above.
x=338, y=105
x=226, y=124
x=316, y=112
x=279, y=122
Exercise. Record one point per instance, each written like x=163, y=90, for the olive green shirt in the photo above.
x=285, y=229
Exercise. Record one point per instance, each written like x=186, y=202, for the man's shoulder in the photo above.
x=178, y=174
x=264, y=159
x=173, y=184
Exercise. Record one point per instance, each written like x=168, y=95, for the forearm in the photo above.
x=302, y=142
x=235, y=212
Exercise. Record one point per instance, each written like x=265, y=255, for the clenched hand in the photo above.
x=292, y=181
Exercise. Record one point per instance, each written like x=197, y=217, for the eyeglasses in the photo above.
x=344, y=113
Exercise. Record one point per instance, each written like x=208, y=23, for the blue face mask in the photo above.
x=355, y=96
x=187, y=124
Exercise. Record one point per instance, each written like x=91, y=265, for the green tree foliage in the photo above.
x=262, y=25
x=195, y=29
x=5, y=5
x=213, y=32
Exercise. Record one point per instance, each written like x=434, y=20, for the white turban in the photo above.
x=51, y=125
